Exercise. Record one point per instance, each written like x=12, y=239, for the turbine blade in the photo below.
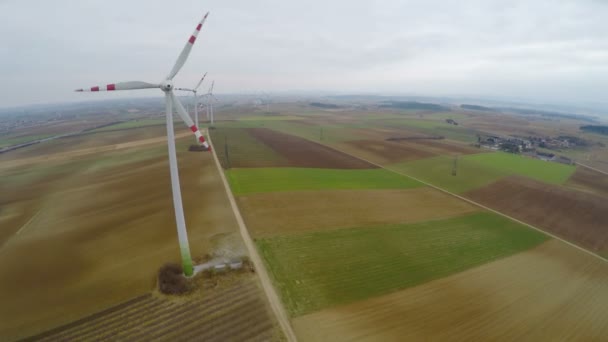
x=121, y=86
x=187, y=48
x=186, y=118
x=200, y=82
x=211, y=88
x=186, y=89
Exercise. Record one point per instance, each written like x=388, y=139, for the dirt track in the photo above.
x=573, y=215
x=300, y=152
x=271, y=294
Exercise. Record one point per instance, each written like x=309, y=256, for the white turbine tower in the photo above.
x=210, y=99
x=195, y=98
x=171, y=103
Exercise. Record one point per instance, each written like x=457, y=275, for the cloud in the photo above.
x=541, y=50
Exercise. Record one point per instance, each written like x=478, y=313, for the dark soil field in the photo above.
x=589, y=180
x=234, y=313
x=389, y=152
x=444, y=147
x=576, y=216
x=303, y=153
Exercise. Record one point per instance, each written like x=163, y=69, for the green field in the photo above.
x=432, y=127
x=438, y=171
x=321, y=269
x=513, y=164
x=132, y=124
x=9, y=141
x=254, y=180
x=477, y=170
x=243, y=149
x=319, y=133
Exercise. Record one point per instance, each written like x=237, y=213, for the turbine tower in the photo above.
x=194, y=90
x=171, y=103
x=210, y=97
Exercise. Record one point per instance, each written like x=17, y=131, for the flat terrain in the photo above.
x=236, y=147
x=255, y=180
x=93, y=229
x=549, y=293
x=209, y=317
x=589, y=180
x=477, y=170
x=438, y=171
x=287, y=212
x=513, y=164
x=304, y=153
x=320, y=269
x=387, y=151
x=576, y=216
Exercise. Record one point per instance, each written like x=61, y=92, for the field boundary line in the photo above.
x=271, y=294
x=591, y=168
x=474, y=203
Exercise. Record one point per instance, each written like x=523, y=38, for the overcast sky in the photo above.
x=538, y=50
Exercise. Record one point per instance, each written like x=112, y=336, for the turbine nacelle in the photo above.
x=166, y=85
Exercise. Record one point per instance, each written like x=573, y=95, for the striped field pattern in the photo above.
x=236, y=313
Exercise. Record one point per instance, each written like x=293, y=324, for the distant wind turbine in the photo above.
x=210, y=99
x=194, y=90
x=171, y=103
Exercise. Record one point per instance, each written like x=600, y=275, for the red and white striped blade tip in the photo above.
x=183, y=56
x=120, y=86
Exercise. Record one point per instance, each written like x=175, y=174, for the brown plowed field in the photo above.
x=387, y=151
x=443, y=146
x=576, y=216
x=303, y=153
x=589, y=180
x=272, y=213
x=234, y=313
x=553, y=292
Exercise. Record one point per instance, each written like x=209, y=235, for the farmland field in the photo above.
x=589, y=180
x=244, y=150
x=476, y=170
x=134, y=124
x=287, y=212
x=320, y=269
x=548, y=293
x=209, y=317
x=576, y=216
x=255, y=180
x=438, y=171
x=547, y=172
x=97, y=223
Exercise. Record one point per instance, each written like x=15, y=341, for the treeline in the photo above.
x=476, y=107
x=550, y=114
x=324, y=105
x=595, y=129
x=414, y=105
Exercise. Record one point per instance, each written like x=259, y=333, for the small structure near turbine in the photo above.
x=171, y=103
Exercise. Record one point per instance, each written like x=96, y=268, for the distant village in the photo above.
x=530, y=146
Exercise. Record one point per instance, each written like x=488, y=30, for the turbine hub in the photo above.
x=167, y=85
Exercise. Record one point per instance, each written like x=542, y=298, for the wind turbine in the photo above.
x=195, y=98
x=210, y=98
x=171, y=103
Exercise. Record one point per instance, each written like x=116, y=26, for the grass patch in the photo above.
x=438, y=171
x=246, y=181
x=132, y=124
x=513, y=164
x=23, y=139
x=322, y=269
x=478, y=170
